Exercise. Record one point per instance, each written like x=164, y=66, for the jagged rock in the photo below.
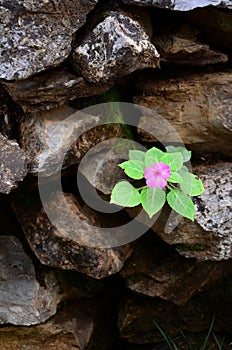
x=45, y=137
x=23, y=301
x=157, y=270
x=36, y=35
x=179, y=5
x=70, y=240
x=51, y=89
x=197, y=106
x=117, y=46
x=175, y=49
x=12, y=164
x=71, y=328
x=138, y=315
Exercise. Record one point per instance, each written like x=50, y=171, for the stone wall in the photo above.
x=72, y=285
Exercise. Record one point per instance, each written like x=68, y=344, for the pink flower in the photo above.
x=157, y=174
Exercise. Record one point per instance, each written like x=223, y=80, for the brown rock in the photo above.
x=49, y=138
x=71, y=328
x=51, y=89
x=196, y=106
x=12, y=164
x=157, y=270
x=69, y=238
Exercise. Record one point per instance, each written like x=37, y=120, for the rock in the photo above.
x=51, y=89
x=179, y=5
x=137, y=315
x=36, y=35
x=12, y=164
x=117, y=46
x=100, y=165
x=196, y=105
x=71, y=328
x=46, y=137
x=157, y=270
x=175, y=49
x=75, y=242
x=23, y=300
x=209, y=236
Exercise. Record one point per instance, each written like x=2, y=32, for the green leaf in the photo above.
x=185, y=153
x=174, y=160
x=175, y=178
x=137, y=155
x=190, y=185
x=183, y=170
x=153, y=155
x=125, y=195
x=152, y=200
x=181, y=203
x=133, y=168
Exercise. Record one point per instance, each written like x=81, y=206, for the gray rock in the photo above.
x=51, y=89
x=23, y=301
x=180, y=5
x=36, y=35
x=204, y=97
x=117, y=46
x=12, y=164
x=49, y=138
x=69, y=238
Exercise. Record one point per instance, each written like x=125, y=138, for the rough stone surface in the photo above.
x=117, y=46
x=180, y=5
x=51, y=89
x=23, y=301
x=45, y=137
x=36, y=35
x=12, y=164
x=71, y=328
x=175, y=49
x=69, y=247
x=138, y=314
x=197, y=106
x=157, y=270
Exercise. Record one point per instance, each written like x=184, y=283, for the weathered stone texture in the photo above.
x=36, y=35
x=51, y=89
x=157, y=270
x=117, y=46
x=61, y=134
x=70, y=246
x=12, y=164
x=23, y=301
x=179, y=5
x=197, y=106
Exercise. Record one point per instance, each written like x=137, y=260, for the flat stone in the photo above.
x=46, y=137
x=71, y=328
x=12, y=164
x=204, y=97
x=51, y=89
x=23, y=301
x=117, y=46
x=138, y=314
x=157, y=270
x=69, y=239
x=36, y=35
x=175, y=49
x=180, y=5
